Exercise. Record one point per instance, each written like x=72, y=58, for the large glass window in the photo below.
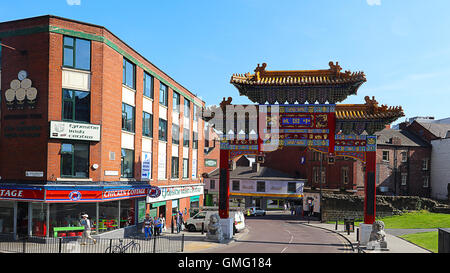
x=147, y=124
x=64, y=215
x=127, y=117
x=163, y=90
x=148, y=85
x=162, y=130
x=185, y=168
x=129, y=74
x=175, y=167
x=187, y=108
x=6, y=217
x=127, y=212
x=186, y=137
x=108, y=216
x=292, y=187
x=194, y=140
x=127, y=163
x=176, y=102
x=175, y=134
x=39, y=212
x=261, y=186
x=77, y=53
x=76, y=105
x=74, y=160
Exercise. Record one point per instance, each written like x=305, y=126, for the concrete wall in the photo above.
x=440, y=171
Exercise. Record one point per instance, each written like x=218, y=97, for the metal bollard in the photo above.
x=336, y=227
x=203, y=227
x=357, y=234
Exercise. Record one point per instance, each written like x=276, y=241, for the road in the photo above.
x=284, y=234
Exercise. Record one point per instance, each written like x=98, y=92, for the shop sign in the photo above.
x=76, y=131
x=154, y=192
x=123, y=193
x=73, y=195
x=210, y=162
x=168, y=193
x=21, y=194
x=146, y=170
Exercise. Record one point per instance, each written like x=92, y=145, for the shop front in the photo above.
x=55, y=211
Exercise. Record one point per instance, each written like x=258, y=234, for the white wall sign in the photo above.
x=168, y=193
x=71, y=130
x=34, y=174
x=146, y=167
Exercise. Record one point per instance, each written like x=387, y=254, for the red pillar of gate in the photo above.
x=224, y=184
x=370, y=188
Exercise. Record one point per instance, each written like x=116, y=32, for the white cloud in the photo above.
x=374, y=2
x=73, y=2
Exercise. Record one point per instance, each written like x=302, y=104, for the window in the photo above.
x=385, y=155
x=162, y=133
x=127, y=163
x=316, y=175
x=292, y=187
x=324, y=175
x=175, y=134
x=175, y=167
x=404, y=179
x=196, y=112
x=404, y=156
x=187, y=108
x=261, y=186
x=235, y=186
x=77, y=53
x=176, y=102
x=129, y=74
x=185, y=168
x=147, y=124
x=127, y=117
x=194, y=140
x=74, y=160
x=186, y=137
x=344, y=172
x=163, y=94
x=76, y=105
x=148, y=85
x=212, y=184
x=426, y=181
x=425, y=164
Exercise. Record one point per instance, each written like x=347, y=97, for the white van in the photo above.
x=195, y=222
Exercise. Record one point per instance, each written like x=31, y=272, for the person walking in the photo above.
x=157, y=226
x=163, y=222
x=86, y=223
x=147, y=226
x=179, y=221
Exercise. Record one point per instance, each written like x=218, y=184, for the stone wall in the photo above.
x=340, y=206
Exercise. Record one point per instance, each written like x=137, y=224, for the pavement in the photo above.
x=195, y=241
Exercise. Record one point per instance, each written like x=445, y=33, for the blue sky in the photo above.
x=403, y=46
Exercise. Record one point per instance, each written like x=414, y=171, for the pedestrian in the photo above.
x=86, y=223
x=147, y=226
x=292, y=210
x=285, y=207
x=179, y=221
x=157, y=225
x=163, y=222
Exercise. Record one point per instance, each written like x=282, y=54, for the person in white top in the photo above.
x=86, y=223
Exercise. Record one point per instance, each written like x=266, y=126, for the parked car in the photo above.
x=255, y=211
x=195, y=222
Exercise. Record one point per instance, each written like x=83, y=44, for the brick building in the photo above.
x=403, y=163
x=87, y=125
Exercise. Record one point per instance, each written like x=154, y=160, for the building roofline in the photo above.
x=104, y=28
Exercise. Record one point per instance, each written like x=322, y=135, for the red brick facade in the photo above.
x=39, y=50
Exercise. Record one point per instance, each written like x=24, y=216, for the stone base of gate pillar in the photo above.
x=227, y=228
x=364, y=233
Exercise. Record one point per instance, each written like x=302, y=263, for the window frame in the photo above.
x=289, y=184
x=124, y=73
x=259, y=187
x=124, y=127
x=236, y=185
x=151, y=91
x=72, y=153
x=176, y=102
x=186, y=137
x=74, y=53
x=165, y=136
x=385, y=156
x=122, y=163
x=144, y=125
x=74, y=108
x=175, y=134
x=185, y=169
x=175, y=175
x=187, y=112
x=166, y=94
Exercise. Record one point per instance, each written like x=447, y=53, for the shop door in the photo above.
x=22, y=219
x=162, y=211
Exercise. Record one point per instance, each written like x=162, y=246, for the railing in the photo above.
x=157, y=244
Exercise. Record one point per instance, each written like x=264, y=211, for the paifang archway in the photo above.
x=300, y=108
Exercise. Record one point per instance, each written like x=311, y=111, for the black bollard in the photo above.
x=336, y=225
x=203, y=227
x=171, y=225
